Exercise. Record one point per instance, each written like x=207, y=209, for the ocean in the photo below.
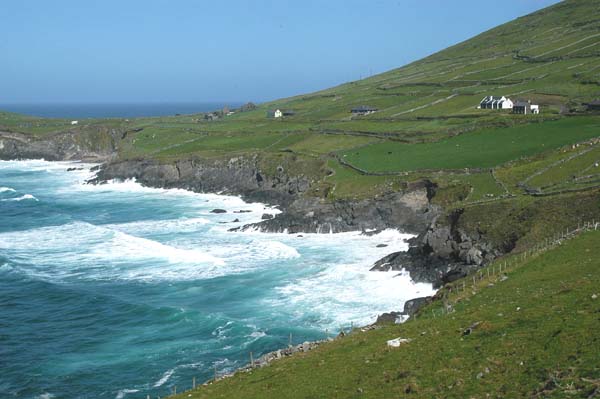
x=116, y=110
x=120, y=291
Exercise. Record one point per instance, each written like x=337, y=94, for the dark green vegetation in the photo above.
x=537, y=336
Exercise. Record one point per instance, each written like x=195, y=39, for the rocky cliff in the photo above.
x=408, y=210
x=90, y=145
x=440, y=253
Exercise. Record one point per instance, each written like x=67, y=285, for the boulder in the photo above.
x=390, y=317
x=412, y=306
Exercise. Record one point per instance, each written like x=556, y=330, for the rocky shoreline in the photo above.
x=440, y=253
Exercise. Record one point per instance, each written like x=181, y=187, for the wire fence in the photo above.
x=499, y=269
x=471, y=283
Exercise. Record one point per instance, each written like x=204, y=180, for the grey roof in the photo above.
x=521, y=104
x=595, y=102
x=491, y=98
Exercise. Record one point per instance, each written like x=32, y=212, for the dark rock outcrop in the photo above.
x=235, y=176
x=411, y=307
x=441, y=254
x=386, y=318
x=409, y=210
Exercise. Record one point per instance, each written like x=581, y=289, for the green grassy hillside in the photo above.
x=514, y=179
x=427, y=123
x=536, y=334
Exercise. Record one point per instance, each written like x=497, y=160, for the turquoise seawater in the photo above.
x=119, y=291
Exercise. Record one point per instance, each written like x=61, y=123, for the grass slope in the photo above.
x=538, y=336
x=481, y=149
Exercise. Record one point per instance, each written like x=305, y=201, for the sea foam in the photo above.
x=21, y=198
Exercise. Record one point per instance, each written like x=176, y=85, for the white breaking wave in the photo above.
x=342, y=290
x=6, y=189
x=21, y=198
x=183, y=225
x=121, y=394
x=165, y=377
x=83, y=250
x=324, y=277
x=125, y=246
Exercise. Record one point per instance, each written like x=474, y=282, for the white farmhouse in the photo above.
x=495, y=102
x=274, y=113
x=74, y=122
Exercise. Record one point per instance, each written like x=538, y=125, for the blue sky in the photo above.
x=186, y=50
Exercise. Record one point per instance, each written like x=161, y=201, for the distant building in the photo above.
x=593, y=106
x=276, y=113
x=525, y=108
x=74, y=122
x=247, y=107
x=495, y=102
x=211, y=116
x=363, y=110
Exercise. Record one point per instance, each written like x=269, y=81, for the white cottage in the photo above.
x=274, y=113
x=495, y=102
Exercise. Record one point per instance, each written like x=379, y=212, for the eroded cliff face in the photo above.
x=408, y=210
x=90, y=145
x=441, y=251
x=236, y=176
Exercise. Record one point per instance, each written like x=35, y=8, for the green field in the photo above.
x=482, y=149
x=536, y=337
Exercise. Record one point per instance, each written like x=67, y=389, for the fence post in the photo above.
x=251, y=360
x=193, y=382
x=290, y=343
x=215, y=372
